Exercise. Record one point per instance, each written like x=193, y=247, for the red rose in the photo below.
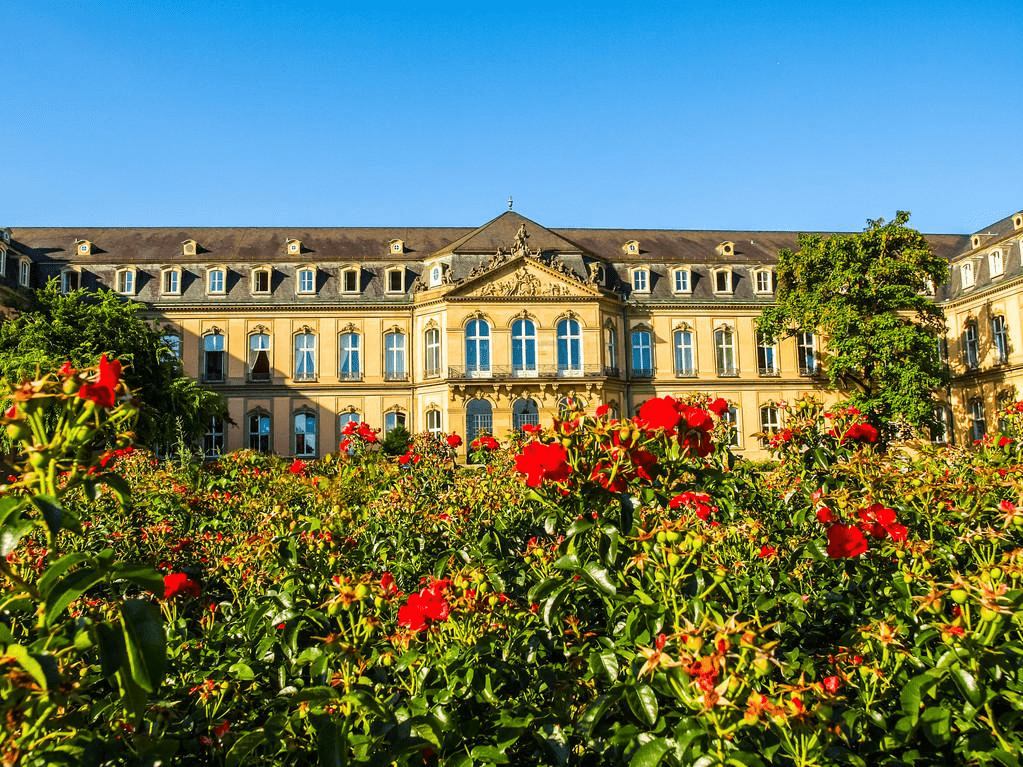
x=603, y=410
x=179, y=583
x=454, y=441
x=825, y=516
x=861, y=431
x=766, y=552
x=831, y=684
x=297, y=466
x=428, y=606
x=845, y=541
x=660, y=413
x=221, y=729
x=718, y=407
x=102, y=392
x=539, y=462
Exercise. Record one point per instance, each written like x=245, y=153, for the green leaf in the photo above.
x=643, y=702
x=935, y=723
x=545, y=588
x=242, y=748
x=147, y=577
x=68, y=590
x=967, y=684
x=491, y=753
x=12, y=533
x=9, y=505
x=145, y=643
x=57, y=569
x=594, y=712
x=29, y=663
x=112, y=654
x=242, y=671
x=53, y=512
x=599, y=577
x=912, y=693
x=330, y=749
x=650, y=753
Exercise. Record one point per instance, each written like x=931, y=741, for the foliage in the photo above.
x=397, y=441
x=80, y=326
x=608, y=592
x=866, y=295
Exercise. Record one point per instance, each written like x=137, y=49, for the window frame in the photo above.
x=349, y=356
x=175, y=347
x=639, y=278
x=641, y=344
x=308, y=451
x=389, y=275
x=25, y=272
x=126, y=281
x=479, y=343
x=393, y=419
x=253, y=356
x=763, y=274
x=166, y=274
x=733, y=418
x=435, y=430
x=769, y=426
x=343, y=276
x=967, y=278
x=258, y=272
x=725, y=357
x=65, y=274
x=978, y=418
x=611, y=349
x=685, y=274
x=523, y=346
x=996, y=259
x=806, y=354
x=683, y=343
x=214, y=434
x=258, y=436
x=431, y=353
x=300, y=274
x=304, y=357
x=716, y=275
x=1000, y=339
x=211, y=289
x=767, y=357
x=206, y=359
x=971, y=345
x=570, y=331
x=395, y=361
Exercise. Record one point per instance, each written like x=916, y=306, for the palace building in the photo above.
x=486, y=329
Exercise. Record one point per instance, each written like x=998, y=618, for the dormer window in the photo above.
x=5, y=236
x=682, y=280
x=70, y=280
x=170, y=281
x=641, y=280
x=763, y=281
x=305, y=280
x=24, y=272
x=1017, y=223
x=996, y=264
x=966, y=274
x=294, y=247
x=975, y=241
x=3, y=263
x=631, y=247
x=726, y=248
x=124, y=281
x=929, y=287
x=350, y=279
x=723, y=281
x=396, y=280
x=261, y=280
x=83, y=247
x=436, y=275
x=397, y=246
x=216, y=280
x=188, y=247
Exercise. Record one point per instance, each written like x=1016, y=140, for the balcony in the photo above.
x=769, y=372
x=811, y=371
x=541, y=372
x=685, y=373
x=349, y=375
x=728, y=371
x=643, y=372
x=612, y=372
x=395, y=375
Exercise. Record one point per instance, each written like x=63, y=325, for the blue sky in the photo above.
x=697, y=115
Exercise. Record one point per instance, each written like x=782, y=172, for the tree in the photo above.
x=866, y=295
x=79, y=327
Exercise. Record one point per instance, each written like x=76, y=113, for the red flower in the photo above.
x=603, y=410
x=531, y=428
x=454, y=441
x=644, y=463
x=102, y=391
x=297, y=467
x=832, y=684
x=861, y=431
x=539, y=462
x=428, y=606
x=179, y=583
x=845, y=541
x=387, y=584
x=766, y=552
x=221, y=729
x=660, y=413
x=66, y=370
x=485, y=442
x=825, y=516
x=718, y=407
x=1003, y=441
x=367, y=433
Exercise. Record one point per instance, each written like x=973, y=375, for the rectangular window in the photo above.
x=996, y=263
x=971, y=348
x=681, y=283
x=640, y=280
x=978, y=426
x=722, y=281
x=642, y=354
x=305, y=357
x=213, y=357
x=392, y=421
x=259, y=432
x=261, y=281
x=807, y=354
x=685, y=357
x=432, y=353
x=172, y=282
x=395, y=281
x=215, y=281
x=3, y=264
x=770, y=423
x=350, y=281
x=764, y=281
x=1000, y=338
x=943, y=426
x=24, y=272
x=126, y=282
x=259, y=357
x=306, y=281
x=724, y=343
x=611, y=344
x=171, y=346
x=767, y=357
x=394, y=357
x=305, y=435
x=68, y=281
x=433, y=423
x=966, y=275
x=349, y=368
x=731, y=418
x=213, y=439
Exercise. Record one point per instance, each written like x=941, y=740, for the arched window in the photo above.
x=806, y=352
x=479, y=419
x=394, y=356
x=259, y=357
x=305, y=357
x=433, y=423
x=261, y=281
x=685, y=353
x=642, y=354
x=305, y=278
x=570, y=342
x=24, y=272
x=477, y=348
x=523, y=348
x=431, y=346
x=524, y=411
x=170, y=281
x=770, y=422
x=724, y=347
x=258, y=427
x=349, y=365
x=171, y=346
x=126, y=282
x=216, y=281
x=305, y=434
x=393, y=420
x=213, y=357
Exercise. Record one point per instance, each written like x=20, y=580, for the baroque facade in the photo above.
x=487, y=329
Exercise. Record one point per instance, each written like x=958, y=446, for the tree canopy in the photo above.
x=80, y=326
x=866, y=295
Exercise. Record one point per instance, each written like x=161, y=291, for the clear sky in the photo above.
x=694, y=115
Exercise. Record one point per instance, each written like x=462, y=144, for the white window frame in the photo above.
x=301, y=275
x=725, y=272
x=569, y=330
x=480, y=343
x=3, y=263
x=259, y=435
x=767, y=357
x=171, y=272
x=350, y=352
x=640, y=278
x=978, y=421
x=966, y=276
x=431, y=350
x=733, y=418
x=682, y=280
x=304, y=345
x=213, y=439
x=65, y=275
x=301, y=428
x=806, y=354
x=434, y=422
x=763, y=281
x=216, y=286
x=725, y=361
x=641, y=342
x=523, y=340
x=222, y=351
x=398, y=270
x=124, y=281
x=770, y=419
x=680, y=346
x=611, y=346
x=395, y=345
x=436, y=275
x=255, y=348
x=996, y=263
x=971, y=345
x=253, y=287
x=25, y=271
x=174, y=346
x=343, y=277
x=1000, y=339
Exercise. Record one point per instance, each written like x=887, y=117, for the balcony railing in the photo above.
x=462, y=372
x=643, y=372
x=809, y=372
x=728, y=371
x=612, y=372
x=395, y=375
x=349, y=375
x=769, y=372
x=686, y=373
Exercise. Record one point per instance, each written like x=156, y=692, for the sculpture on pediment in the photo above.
x=521, y=247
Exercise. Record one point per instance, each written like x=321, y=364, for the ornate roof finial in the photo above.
x=510, y=202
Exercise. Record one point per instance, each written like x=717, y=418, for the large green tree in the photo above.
x=865, y=294
x=79, y=327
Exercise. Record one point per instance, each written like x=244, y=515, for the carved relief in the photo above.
x=523, y=283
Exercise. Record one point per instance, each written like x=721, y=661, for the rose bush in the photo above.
x=602, y=592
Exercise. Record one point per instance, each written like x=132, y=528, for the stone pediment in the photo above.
x=524, y=277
